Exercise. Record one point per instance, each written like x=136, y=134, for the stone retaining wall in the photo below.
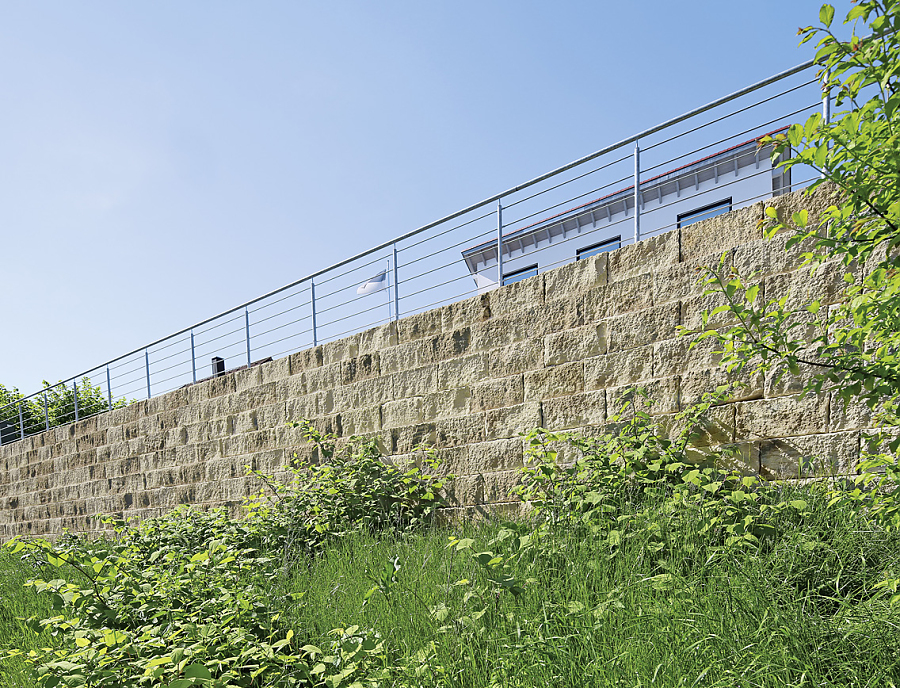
x=554, y=350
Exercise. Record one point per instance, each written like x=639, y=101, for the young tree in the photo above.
x=853, y=348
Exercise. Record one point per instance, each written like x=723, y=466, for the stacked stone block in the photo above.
x=553, y=351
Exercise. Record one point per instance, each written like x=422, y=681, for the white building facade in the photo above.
x=730, y=179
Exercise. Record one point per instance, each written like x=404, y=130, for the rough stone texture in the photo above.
x=557, y=350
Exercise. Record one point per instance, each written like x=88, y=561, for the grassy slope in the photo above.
x=652, y=611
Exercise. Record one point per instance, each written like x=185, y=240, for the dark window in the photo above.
x=704, y=213
x=519, y=275
x=602, y=247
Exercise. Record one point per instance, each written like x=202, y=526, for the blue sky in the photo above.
x=161, y=162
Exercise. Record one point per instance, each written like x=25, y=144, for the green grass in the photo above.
x=18, y=602
x=655, y=610
x=800, y=613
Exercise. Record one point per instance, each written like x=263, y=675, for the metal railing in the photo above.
x=424, y=268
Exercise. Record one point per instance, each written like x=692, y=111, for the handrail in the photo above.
x=475, y=206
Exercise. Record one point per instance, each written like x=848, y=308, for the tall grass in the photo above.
x=797, y=611
x=16, y=603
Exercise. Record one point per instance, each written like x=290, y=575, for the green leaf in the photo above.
x=197, y=671
x=826, y=14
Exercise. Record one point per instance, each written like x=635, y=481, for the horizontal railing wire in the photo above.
x=418, y=274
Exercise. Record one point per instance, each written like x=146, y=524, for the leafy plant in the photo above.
x=352, y=487
x=848, y=345
x=55, y=407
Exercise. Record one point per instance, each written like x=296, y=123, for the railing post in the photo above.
x=193, y=358
x=826, y=104
x=108, y=389
x=396, y=287
x=46, y=413
x=21, y=423
x=637, y=192
x=247, y=333
x=147, y=366
x=312, y=287
x=75, y=391
x=499, y=243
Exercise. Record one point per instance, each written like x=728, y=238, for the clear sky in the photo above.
x=161, y=162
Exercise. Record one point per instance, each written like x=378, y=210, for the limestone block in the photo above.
x=366, y=393
x=574, y=411
x=406, y=356
x=692, y=310
x=822, y=197
x=273, y=371
x=248, y=443
x=714, y=429
x=270, y=416
x=781, y=417
x=770, y=256
x=510, y=421
x=633, y=294
x=447, y=403
x=216, y=387
x=209, y=449
x=852, y=416
x=465, y=370
x=558, y=381
x=676, y=356
x=779, y=381
x=267, y=462
x=498, y=455
x=340, y=349
x=306, y=360
x=218, y=470
x=500, y=331
x=568, y=281
x=826, y=285
x=466, y=490
x=615, y=370
x=407, y=439
x=450, y=432
x=419, y=325
x=189, y=473
x=498, y=486
x=378, y=338
x=683, y=280
x=209, y=410
x=468, y=312
x=450, y=345
x=155, y=441
x=662, y=397
x=517, y=296
x=632, y=330
x=247, y=378
x=821, y=455
x=648, y=254
x=396, y=414
x=326, y=377
x=721, y=233
x=575, y=345
x=504, y=391
x=515, y=358
x=695, y=383
x=362, y=367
